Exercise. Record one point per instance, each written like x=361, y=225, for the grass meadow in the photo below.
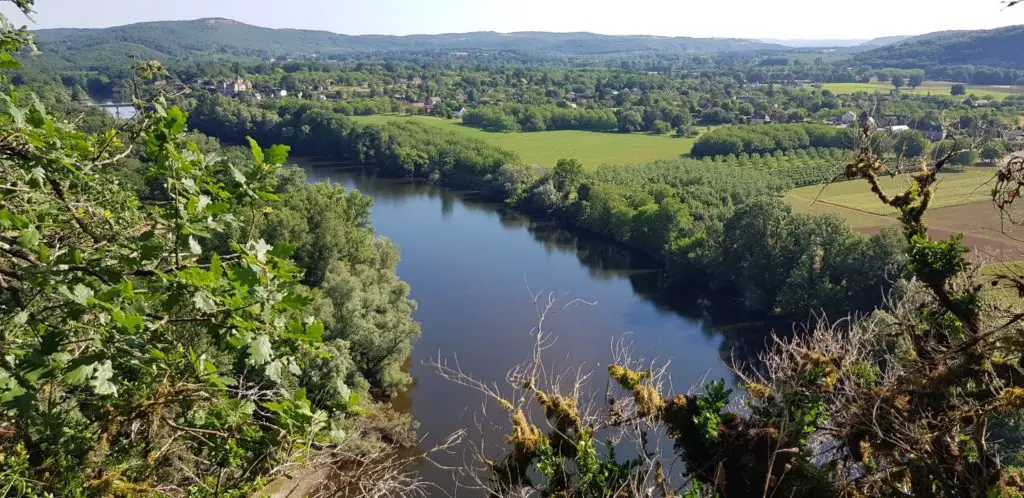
x=995, y=92
x=545, y=148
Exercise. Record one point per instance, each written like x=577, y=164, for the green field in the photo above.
x=547, y=147
x=854, y=200
x=997, y=92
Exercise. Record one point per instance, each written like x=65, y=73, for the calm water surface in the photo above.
x=469, y=263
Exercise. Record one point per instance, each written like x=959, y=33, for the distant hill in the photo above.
x=1000, y=48
x=204, y=37
x=814, y=43
x=884, y=41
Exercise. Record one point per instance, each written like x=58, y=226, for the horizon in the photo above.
x=785, y=20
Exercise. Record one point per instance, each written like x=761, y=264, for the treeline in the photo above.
x=321, y=129
x=709, y=223
x=518, y=117
x=656, y=117
x=767, y=139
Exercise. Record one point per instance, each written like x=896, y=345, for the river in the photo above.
x=469, y=264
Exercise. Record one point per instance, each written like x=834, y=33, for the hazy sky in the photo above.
x=700, y=18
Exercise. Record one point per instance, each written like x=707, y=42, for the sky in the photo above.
x=753, y=19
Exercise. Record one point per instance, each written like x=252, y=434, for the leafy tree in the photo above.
x=993, y=151
x=958, y=89
x=911, y=144
x=916, y=80
x=660, y=127
x=898, y=82
x=629, y=120
x=567, y=177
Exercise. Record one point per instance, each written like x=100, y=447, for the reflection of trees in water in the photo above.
x=743, y=336
x=603, y=260
x=447, y=203
x=511, y=219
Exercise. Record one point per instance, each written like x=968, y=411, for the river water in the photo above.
x=470, y=264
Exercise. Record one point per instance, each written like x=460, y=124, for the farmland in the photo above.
x=997, y=92
x=546, y=148
x=961, y=205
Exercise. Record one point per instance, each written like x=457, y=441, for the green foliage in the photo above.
x=765, y=139
x=518, y=117
x=152, y=338
x=709, y=409
x=567, y=177
x=911, y=144
x=993, y=151
x=125, y=337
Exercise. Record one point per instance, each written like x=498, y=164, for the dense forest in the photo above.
x=996, y=48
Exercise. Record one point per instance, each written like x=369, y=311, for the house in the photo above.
x=898, y=128
x=434, y=100
x=759, y=118
x=458, y=113
x=572, y=105
x=235, y=87
x=848, y=118
x=282, y=93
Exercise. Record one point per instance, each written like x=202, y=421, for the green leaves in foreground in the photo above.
x=146, y=343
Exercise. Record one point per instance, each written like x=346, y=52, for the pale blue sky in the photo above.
x=700, y=18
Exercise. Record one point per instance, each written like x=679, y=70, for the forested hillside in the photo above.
x=179, y=39
x=997, y=48
x=884, y=41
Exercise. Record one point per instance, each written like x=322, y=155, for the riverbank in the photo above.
x=717, y=230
